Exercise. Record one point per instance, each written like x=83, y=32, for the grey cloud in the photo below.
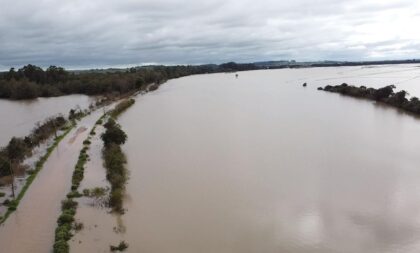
x=79, y=34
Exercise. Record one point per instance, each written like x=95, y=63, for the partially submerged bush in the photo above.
x=96, y=192
x=113, y=133
x=121, y=246
x=68, y=204
x=77, y=226
x=74, y=194
x=63, y=232
x=67, y=217
x=61, y=246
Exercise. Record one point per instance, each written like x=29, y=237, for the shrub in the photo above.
x=113, y=134
x=77, y=226
x=2, y=194
x=74, y=194
x=68, y=204
x=121, y=247
x=66, y=217
x=61, y=246
x=63, y=232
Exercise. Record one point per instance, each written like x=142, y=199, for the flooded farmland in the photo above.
x=256, y=163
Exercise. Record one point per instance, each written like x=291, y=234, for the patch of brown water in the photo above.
x=101, y=227
x=77, y=133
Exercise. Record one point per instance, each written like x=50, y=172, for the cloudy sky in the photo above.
x=104, y=33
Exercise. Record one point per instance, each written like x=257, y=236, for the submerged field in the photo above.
x=256, y=163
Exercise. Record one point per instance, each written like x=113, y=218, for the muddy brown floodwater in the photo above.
x=261, y=164
x=31, y=227
x=22, y=115
x=249, y=164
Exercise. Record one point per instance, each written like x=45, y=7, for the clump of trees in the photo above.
x=18, y=148
x=114, y=160
x=32, y=81
x=385, y=95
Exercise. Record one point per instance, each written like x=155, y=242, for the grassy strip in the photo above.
x=121, y=107
x=38, y=166
x=65, y=223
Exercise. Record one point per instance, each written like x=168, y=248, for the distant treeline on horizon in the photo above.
x=32, y=81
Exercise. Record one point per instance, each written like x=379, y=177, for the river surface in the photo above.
x=19, y=117
x=258, y=163
x=261, y=164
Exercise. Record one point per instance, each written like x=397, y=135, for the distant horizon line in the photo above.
x=261, y=62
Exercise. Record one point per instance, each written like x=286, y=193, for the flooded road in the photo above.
x=22, y=115
x=261, y=164
x=31, y=227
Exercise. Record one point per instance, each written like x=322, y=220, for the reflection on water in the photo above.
x=261, y=164
x=22, y=115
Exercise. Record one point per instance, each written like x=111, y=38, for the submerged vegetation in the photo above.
x=385, y=95
x=121, y=247
x=114, y=161
x=66, y=222
x=38, y=166
x=19, y=148
x=114, y=158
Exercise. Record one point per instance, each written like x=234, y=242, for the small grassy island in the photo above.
x=385, y=95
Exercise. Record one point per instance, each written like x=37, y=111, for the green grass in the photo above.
x=121, y=107
x=38, y=166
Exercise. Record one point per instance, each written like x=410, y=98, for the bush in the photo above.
x=74, y=194
x=61, y=246
x=2, y=194
x=77, y=226
x=67, y=217
x=63, y=232
x=68, y=204
x=121, y=247
x=113, y=134
x=116, y=199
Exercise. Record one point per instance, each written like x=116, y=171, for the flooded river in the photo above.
x=261, y=164
x=250, y=164
x=20, y=117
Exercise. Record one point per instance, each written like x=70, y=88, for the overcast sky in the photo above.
x=104, y=33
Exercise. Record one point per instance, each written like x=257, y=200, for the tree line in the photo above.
x=19, y=148
x=385, y=95
x=32, y=81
